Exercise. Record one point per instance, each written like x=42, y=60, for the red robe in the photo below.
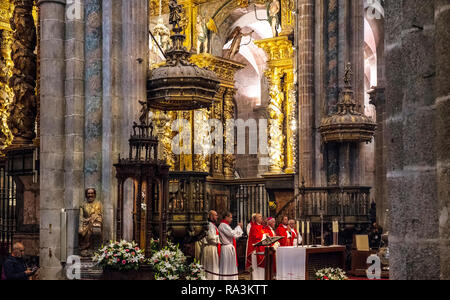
x=294, y=236
x=255, y=236
x=283, y=231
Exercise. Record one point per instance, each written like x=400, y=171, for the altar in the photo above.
x=301, y=263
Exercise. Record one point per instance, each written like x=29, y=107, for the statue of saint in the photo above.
x=91, y=221
x=202, y=35
x=236, y=35
x=162, y=35
x=273, y=14
x=143, y=117
x=175, y=13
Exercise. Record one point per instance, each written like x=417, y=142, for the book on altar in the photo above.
x=268, y=241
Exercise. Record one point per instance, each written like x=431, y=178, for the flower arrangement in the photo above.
x=170, y=264
x=331, y=274
x=195, y=272
x=120, y=256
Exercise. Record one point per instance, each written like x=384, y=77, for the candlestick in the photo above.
x=307, y=233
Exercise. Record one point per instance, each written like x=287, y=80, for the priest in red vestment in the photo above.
x=296, y=238
x=255, y=255
x=283, y=230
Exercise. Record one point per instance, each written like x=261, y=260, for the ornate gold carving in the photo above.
x=282, y=102
x=6, y=66
x=223, y=165
x=287, y=16
x=242, y=3
x=200, y=131
x=229, y=160
x=23, y=81
x=6, y=93
x=225, y=69
x=276, y=113
x=163, y=123
x=178, y=84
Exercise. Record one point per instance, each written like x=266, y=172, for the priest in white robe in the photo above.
x=211, y=249
x=228, y=257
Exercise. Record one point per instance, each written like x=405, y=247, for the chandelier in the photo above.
x=178, y=84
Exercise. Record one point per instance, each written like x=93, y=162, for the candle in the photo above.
x=303, y=226
x=335, y=226
x=307, y=227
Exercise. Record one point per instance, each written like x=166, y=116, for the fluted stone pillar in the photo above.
x=442, y=19
x=74, y=124
x=306, y=90
x=52, y=135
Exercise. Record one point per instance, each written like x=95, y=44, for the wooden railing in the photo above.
x=7, y=210
x=245, y=197
x=347, y=204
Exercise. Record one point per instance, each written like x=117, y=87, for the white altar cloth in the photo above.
x=291, y=263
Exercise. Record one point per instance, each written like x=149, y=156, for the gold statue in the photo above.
x=91, y=221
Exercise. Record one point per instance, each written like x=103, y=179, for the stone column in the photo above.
x=442, y=19
x=74, y=123
x=411, y=140
x=115, y=121
x=332, y=84
x=306, y=91
x=52, y=135
x=377, y=99
x=93, y=96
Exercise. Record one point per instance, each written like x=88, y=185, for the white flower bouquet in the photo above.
x=170, y=264
x=331, y=274
x=120, y=256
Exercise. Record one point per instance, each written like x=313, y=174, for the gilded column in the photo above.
x=279, y=73
x=162, y=121
x=201, y=147
x=222, y=165
x=276, y=122
x=290, y=122
x=23, y=80
x=229, y=160
x=6, y=93
x=217, y=110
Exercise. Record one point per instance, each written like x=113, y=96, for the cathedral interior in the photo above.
x=339, y=112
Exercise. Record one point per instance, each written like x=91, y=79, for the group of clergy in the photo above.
x=218, y=249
